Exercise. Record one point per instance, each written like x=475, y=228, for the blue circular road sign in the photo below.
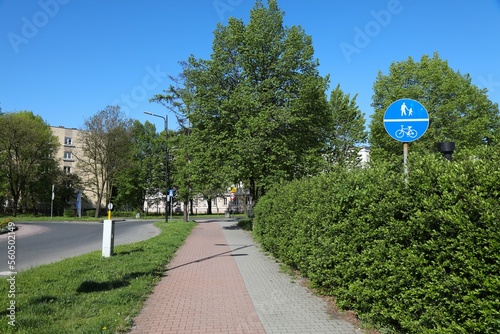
x=406, y=120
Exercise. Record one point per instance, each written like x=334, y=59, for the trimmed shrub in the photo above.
x=89, y=213
x=123, y=214
x=69, y=213
x=4, y=222
x=421, y=256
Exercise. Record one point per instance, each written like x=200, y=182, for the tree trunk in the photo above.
x=98, y=206
x=15, y=203
x=186, y=208
x=209, y=206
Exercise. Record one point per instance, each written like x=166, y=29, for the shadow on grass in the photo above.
x=129, y=252
x=92, y=286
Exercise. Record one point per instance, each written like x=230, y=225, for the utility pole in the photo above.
x=166, y=160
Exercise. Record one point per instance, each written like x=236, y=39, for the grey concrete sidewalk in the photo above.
x=283, y=306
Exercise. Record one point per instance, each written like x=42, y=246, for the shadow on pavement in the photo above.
x=232, y=227
x=211, y=257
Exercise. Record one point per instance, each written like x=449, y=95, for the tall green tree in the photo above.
x=258, y=104
x=181, y=167
x=348, y=130
x=27, y=162
x=201, y=169
x=144, y=178
x=106, y=151
x=458, y=110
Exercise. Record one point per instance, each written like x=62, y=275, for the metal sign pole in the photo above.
x=52, y=203
x=405, y=160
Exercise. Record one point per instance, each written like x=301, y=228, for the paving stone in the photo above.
x=220, y=282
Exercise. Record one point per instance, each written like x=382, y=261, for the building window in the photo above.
x=67, y=169
x=68, y=156
x=225, y=200
x=68, y=141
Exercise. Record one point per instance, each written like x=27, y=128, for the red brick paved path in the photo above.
x=202, y=292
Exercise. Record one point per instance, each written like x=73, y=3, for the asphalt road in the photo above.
x=46, y=242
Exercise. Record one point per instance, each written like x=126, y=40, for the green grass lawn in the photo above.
x=90, y=294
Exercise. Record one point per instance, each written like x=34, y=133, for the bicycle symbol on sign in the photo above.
x=412, y=133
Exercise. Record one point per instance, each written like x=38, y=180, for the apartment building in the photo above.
x=68, y=138
x=364, y=154
x=70, y=148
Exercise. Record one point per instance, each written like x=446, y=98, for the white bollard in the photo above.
x=108, y=238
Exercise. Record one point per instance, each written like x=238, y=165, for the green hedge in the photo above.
x=89, y=213
x=69, y=213
x=421, y=256
x=4, y=222
x=127, y=214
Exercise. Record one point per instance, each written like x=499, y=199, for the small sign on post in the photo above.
x=406, y=120
x=110, y=208
x=108, y=234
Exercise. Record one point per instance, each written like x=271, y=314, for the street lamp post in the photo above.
x=166, y=160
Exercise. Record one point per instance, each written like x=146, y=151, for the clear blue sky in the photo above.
x=67, y=59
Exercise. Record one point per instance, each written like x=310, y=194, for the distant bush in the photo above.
x=123, y=214
x=417, y=257
x=89, y=213
x=5, y=221
x=69, y=213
